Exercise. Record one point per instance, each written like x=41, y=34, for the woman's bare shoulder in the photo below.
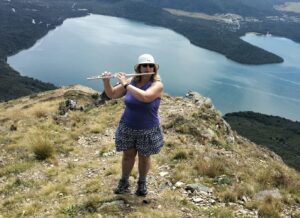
x=157, y=83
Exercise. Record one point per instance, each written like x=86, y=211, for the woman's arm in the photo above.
x=113, y=92
x=153, y=92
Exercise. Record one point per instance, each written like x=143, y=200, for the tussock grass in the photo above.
x=30, y=210
x=53, y=190
x=243, y=189
x=96, y=129
x=113, y=170
x=16, y=167
x=15, y=114
x=182, y=173
x=42, y=110
x=277, y=176
x=210, y=167
x=94, y=186
x=270, y=208
x=42, y=146
x=236, y=192
x=13, y=184
x=296, y=214
x=180, y=155
x=106, y=148
x=229, y=196
x=219, y=212
x=71, y=209
x=149, y=212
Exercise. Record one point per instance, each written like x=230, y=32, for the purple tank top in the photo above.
x=138, y=114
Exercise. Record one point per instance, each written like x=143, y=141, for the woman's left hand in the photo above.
x=122, y=78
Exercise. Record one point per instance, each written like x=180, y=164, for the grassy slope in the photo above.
x=78, y=177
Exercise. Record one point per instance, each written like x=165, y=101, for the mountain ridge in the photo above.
x=60, y=161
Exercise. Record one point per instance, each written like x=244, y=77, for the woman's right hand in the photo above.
x=106, y=76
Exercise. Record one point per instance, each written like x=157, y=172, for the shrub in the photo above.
x=42, y=146
x=268, y=211
x=181, y=155
x=270, y=208
x=212, y=168
x=229, y=196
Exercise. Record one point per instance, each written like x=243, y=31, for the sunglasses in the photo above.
x=149, y=65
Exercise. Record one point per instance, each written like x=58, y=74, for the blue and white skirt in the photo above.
x=145, y=141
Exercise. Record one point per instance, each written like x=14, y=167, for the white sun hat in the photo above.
x=145, y=59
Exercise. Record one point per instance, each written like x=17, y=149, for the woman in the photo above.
x=139, y=130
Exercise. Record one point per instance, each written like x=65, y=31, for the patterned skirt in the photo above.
x=145, y=141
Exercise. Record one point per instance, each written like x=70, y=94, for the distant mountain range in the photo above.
x=216, y=25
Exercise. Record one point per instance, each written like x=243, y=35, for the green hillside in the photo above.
x=278, y=134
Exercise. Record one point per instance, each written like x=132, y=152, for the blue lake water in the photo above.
x=87, y=46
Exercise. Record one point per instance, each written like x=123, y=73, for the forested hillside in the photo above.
x=278, y=134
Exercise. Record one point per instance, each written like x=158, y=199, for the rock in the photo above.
x=244, y=199
x=179, y=184
x=208, y=133
x=199, y=100
x=60, y=194
x=108, y=154
x=274, y=193
x=198, y=187
x=165, y=184
x=112, y=203
x=164, y=173
x=212, y=201
x=197, y=199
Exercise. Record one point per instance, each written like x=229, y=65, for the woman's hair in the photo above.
x=154, y=77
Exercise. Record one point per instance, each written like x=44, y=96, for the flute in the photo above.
x=115, y=75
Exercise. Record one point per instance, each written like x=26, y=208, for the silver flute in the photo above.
x=115, y=75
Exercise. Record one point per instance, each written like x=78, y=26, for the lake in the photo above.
x=87, y=46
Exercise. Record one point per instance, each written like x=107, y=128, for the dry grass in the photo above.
x=16, y=167
x=219, y=212
x=270, y=208
x=75, y=179
x=54, y=190
x=41, y=144
x=210, y=167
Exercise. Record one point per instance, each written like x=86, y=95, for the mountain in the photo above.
x=58, y=160
x=276, y=133
x=213, y=24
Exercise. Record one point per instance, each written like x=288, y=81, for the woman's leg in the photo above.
x=128, y=160
x=144, y=166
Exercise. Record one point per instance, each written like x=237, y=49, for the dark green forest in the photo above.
x=278, y=134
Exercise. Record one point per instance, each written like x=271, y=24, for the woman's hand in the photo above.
x=122, y=78
x=106, y=76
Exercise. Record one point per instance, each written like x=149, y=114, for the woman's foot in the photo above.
x=122, y=187
x=141, y=189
